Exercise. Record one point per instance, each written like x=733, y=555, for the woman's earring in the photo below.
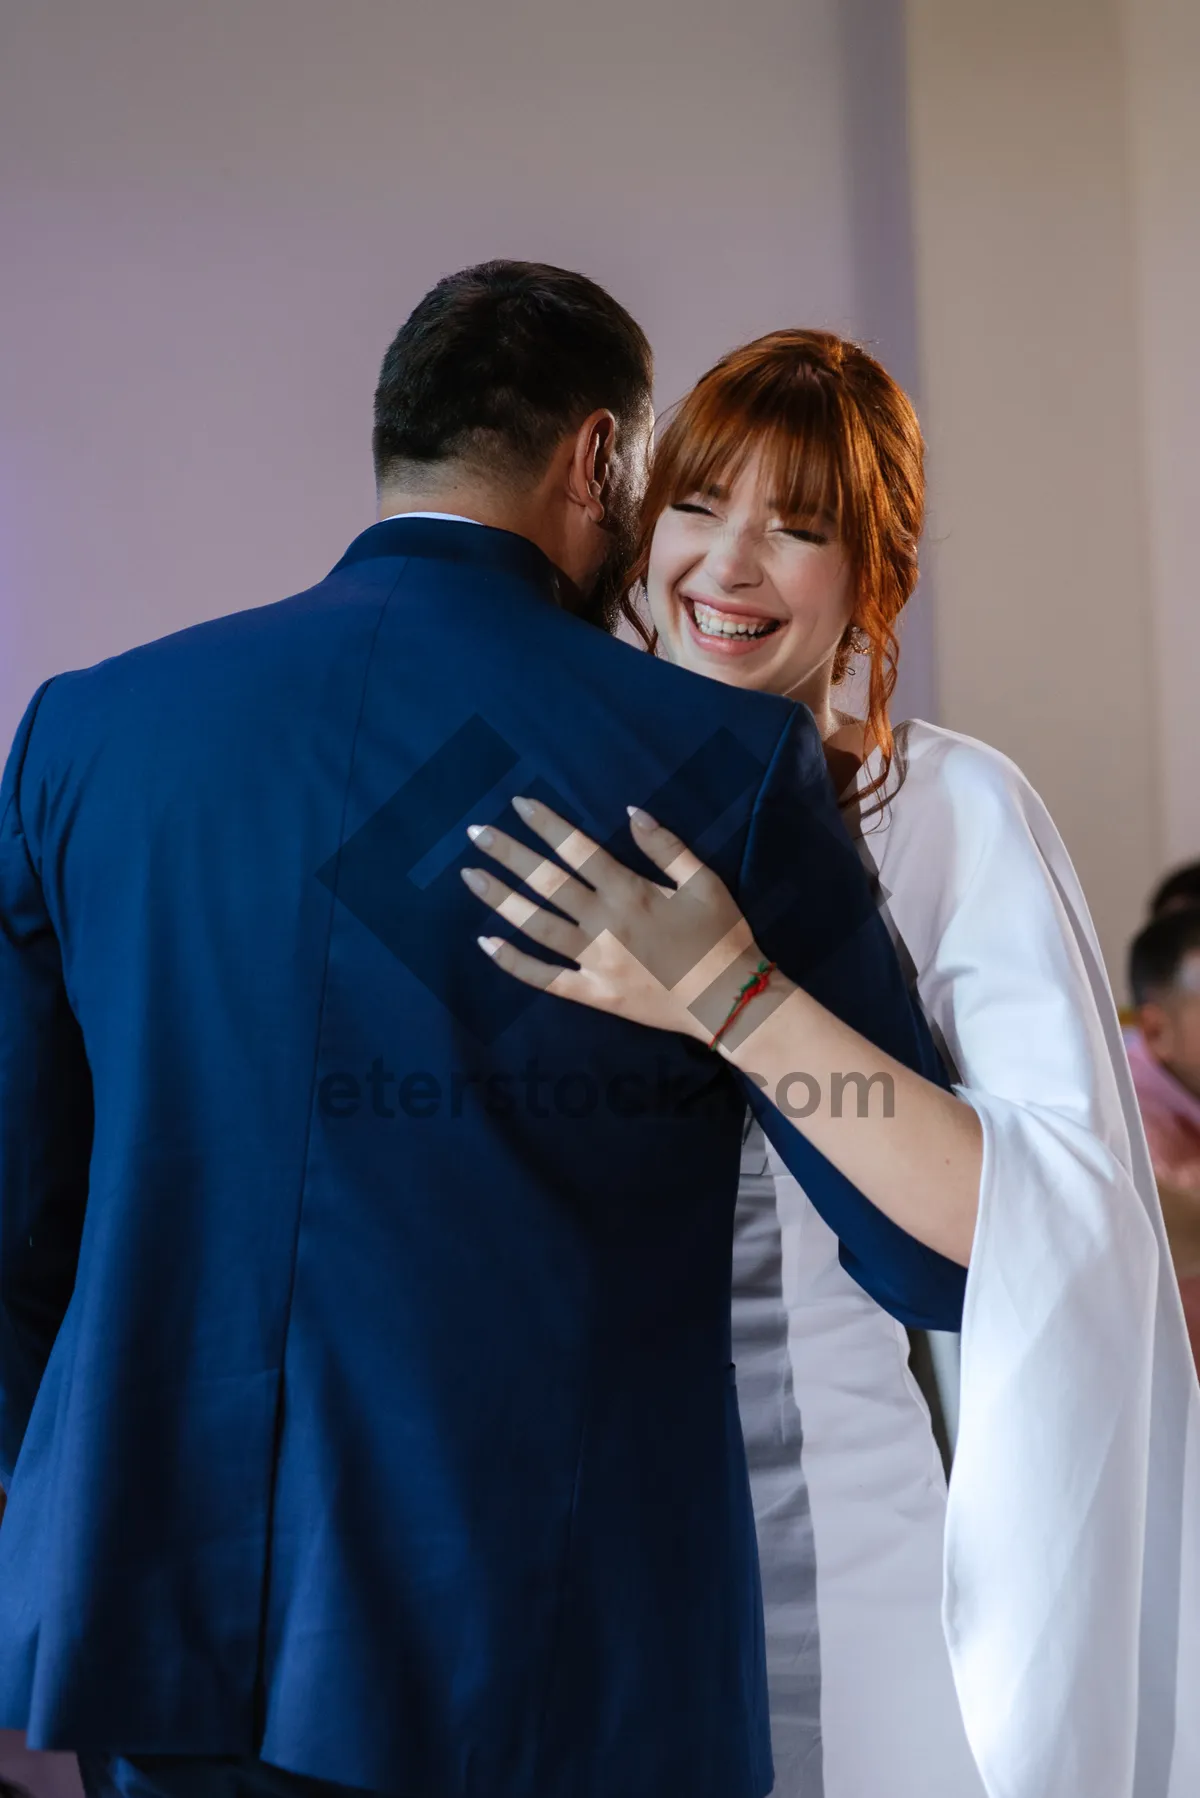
x=855, y=642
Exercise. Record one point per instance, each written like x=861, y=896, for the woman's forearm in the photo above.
x=913, y=1149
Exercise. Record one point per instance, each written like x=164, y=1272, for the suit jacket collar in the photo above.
x=478, y=545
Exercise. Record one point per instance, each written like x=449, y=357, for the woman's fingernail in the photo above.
x=642, y=818
x=479, y=833
x=475, y=880
x=489, y=943
x=524, y=807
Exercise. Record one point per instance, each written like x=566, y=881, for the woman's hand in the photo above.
x=675, y=957
x=658, y=954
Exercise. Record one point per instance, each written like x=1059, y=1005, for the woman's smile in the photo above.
x=726, y=630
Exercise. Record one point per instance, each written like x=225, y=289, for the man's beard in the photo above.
x=601, y=604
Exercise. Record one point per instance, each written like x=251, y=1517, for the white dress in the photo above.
x=1049, y=1614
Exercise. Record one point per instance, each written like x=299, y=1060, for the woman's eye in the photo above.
x=805, y=536
x=682, y=505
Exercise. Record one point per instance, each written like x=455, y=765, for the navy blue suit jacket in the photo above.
x=365, y=1384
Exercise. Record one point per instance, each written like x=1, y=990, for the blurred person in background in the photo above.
x=1180, y=891
x=1164, y=1055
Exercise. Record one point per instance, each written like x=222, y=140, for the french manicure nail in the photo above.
x=488, y=943
x=523, y=806
x=642, y=818
x=475, y=880
x=479, y=833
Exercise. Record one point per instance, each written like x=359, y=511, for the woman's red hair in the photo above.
x=837, y=435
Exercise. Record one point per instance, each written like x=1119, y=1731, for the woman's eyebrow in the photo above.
x=822, y=516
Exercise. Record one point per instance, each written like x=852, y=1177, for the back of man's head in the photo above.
x=495, y=366
x=1180, y=891
x=1159, y=952
x=1164, y=973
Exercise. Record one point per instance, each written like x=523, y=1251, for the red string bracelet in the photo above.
x=755, y=985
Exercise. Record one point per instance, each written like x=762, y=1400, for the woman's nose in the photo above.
x=733, y=561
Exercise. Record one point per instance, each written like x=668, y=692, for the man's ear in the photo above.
x=590, y=467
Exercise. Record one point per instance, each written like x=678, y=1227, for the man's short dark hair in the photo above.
x=1157, y=953
x=1180, y=889
x=498, y=363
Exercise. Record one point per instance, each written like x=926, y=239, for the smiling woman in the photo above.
x=1010, y=1636
x=729, y=572
x=780, y=528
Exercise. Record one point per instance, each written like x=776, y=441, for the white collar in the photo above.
x=448, y=517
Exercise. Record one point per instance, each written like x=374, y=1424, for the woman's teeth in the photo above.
x=712, y=623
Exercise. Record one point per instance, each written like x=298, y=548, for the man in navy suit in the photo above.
x=366, y=1408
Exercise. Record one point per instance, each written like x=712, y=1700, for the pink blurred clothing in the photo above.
x=42, y=1775
x=1171, y=1115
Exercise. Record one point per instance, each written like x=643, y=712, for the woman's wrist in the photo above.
x=727, y=993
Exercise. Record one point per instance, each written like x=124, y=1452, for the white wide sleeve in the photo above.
x=1078, y=1401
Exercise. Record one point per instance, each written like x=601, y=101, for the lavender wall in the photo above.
x=214, y=218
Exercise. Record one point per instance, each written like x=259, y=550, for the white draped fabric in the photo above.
x=1071, y=1602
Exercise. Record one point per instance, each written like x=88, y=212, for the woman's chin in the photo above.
x=733, y=670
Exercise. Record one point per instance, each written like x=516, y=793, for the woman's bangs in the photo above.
x=798, y=445
x=802, y=472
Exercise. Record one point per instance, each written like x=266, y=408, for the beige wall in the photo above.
x=215, y=217
x=1059, y=352
x=1162, y=40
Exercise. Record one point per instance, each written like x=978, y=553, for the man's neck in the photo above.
x=524, y=515
x=482, y=505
